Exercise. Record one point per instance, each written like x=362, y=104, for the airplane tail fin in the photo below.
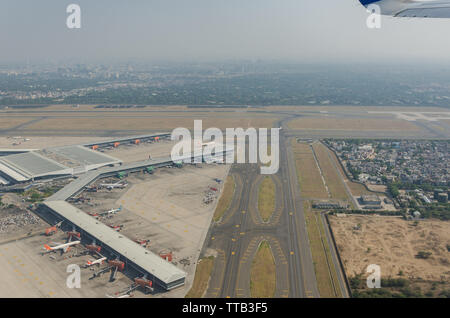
x=48, y=248
x=367, y=2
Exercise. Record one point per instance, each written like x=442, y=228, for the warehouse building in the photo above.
x=51, y=163
x=31, y=165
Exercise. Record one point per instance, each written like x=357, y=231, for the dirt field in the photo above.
x=327, y=123
x=393, y=244
x=308, y=173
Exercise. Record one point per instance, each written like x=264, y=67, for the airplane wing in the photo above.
x=411, y=8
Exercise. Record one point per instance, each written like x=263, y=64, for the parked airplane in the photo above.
x=99, y=261
x=64, y=247
x=112, y=211
x=411, y=8
x=111, y=186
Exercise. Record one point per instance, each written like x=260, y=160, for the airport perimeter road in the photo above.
x=237, y=236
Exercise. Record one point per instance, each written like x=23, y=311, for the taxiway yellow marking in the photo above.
x=212, y=238
x=243, y=212
x=292, y=253
x=237, y=225
x=232, y=253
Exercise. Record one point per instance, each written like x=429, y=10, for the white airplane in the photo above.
x=411, y=8
x=64, y=247
x=112, y=211
x=111, y=186
x=97, y=261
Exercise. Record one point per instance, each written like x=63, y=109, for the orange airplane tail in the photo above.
x=48, y=248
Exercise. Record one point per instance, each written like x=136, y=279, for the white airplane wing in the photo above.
x=412, y=8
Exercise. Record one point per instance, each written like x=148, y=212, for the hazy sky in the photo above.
x=303, y=30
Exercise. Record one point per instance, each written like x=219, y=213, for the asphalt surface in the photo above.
x=237, y=236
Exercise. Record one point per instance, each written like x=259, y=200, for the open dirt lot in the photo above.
x=393, y=244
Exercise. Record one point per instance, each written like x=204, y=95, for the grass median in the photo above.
x=225, y=198
x=266, y=198
x=263, y=274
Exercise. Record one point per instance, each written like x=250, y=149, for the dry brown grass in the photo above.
x=266, y=198
x=263, y=274
x=311, y=184
x=119, y=121
x=357, y=189
x=327, y=123
x=202, y=275
x=12, y=121
x=333, y=180
x=225, y=198
x=326, y=276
